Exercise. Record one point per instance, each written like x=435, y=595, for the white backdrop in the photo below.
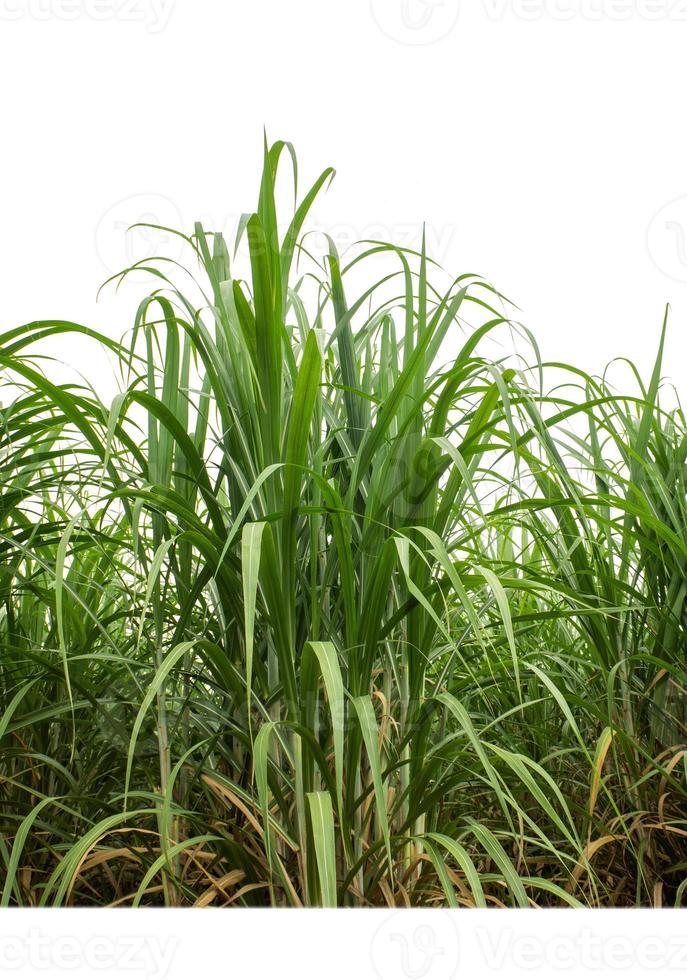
x=543, y=142
x=374, y=944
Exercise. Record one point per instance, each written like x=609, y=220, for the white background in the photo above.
x=367, y=945
x=542, y=141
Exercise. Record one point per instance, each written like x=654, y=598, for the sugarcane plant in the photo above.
x=330, y=605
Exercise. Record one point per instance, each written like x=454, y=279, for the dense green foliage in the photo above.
x=330, y=607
